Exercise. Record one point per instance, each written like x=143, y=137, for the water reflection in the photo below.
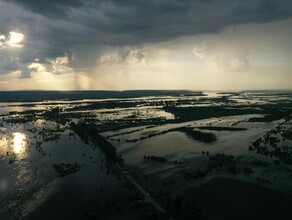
x=4, y=146
x=3, y=185
x=39, y=123
x=17, y=108
x=13, y=146
x=19, y=143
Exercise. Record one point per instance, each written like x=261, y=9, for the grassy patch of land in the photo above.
x=270, y=145
x=215, y=128
x=287, y=134
x=197, y=113
x=65, y=168
x=198, y=135
x=189, y=131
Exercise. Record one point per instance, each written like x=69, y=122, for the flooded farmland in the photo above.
x=55, y=157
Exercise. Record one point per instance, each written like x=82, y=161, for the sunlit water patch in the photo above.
x=28, y=177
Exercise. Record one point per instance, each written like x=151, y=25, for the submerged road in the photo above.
x=148, y=197
x=110, y=152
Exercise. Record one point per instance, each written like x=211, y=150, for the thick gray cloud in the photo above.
x=53, y=8
x=83, y=30
x=259, y=11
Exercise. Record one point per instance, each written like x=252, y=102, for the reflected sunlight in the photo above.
x=18, y=143
x=3, y=185
x=3, y=145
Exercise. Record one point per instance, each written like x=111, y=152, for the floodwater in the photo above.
x=28, y=178
x=32, y=145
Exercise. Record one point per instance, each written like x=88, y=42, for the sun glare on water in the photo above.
x=18, y=143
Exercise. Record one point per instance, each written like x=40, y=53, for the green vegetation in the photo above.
x=65, y=168
x=272, y=112
x=195, y=174
x=258, y=162
x=197, y=113
x=269, y=145
x=195, y=135
x=34, y=96
x=155, y=158
x=214, y=128
x=198, y=135
x=220, y=161
x=89, y=132
x=129, y=132
x=268, y=118
x=287, y=134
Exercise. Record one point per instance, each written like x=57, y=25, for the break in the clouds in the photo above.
x=180, y=43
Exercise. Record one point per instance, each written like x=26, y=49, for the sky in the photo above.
x=138, y=44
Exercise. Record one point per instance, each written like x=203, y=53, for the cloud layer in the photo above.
x=78, y=35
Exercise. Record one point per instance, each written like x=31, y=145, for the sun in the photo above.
x=15, y=39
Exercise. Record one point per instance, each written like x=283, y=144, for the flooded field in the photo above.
x=169, y=143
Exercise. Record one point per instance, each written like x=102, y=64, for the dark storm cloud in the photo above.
x=135, y=21
x=259, y=11
x=49, y=7
x=55, y=28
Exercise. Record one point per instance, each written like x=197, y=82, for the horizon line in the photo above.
x=126, y=90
